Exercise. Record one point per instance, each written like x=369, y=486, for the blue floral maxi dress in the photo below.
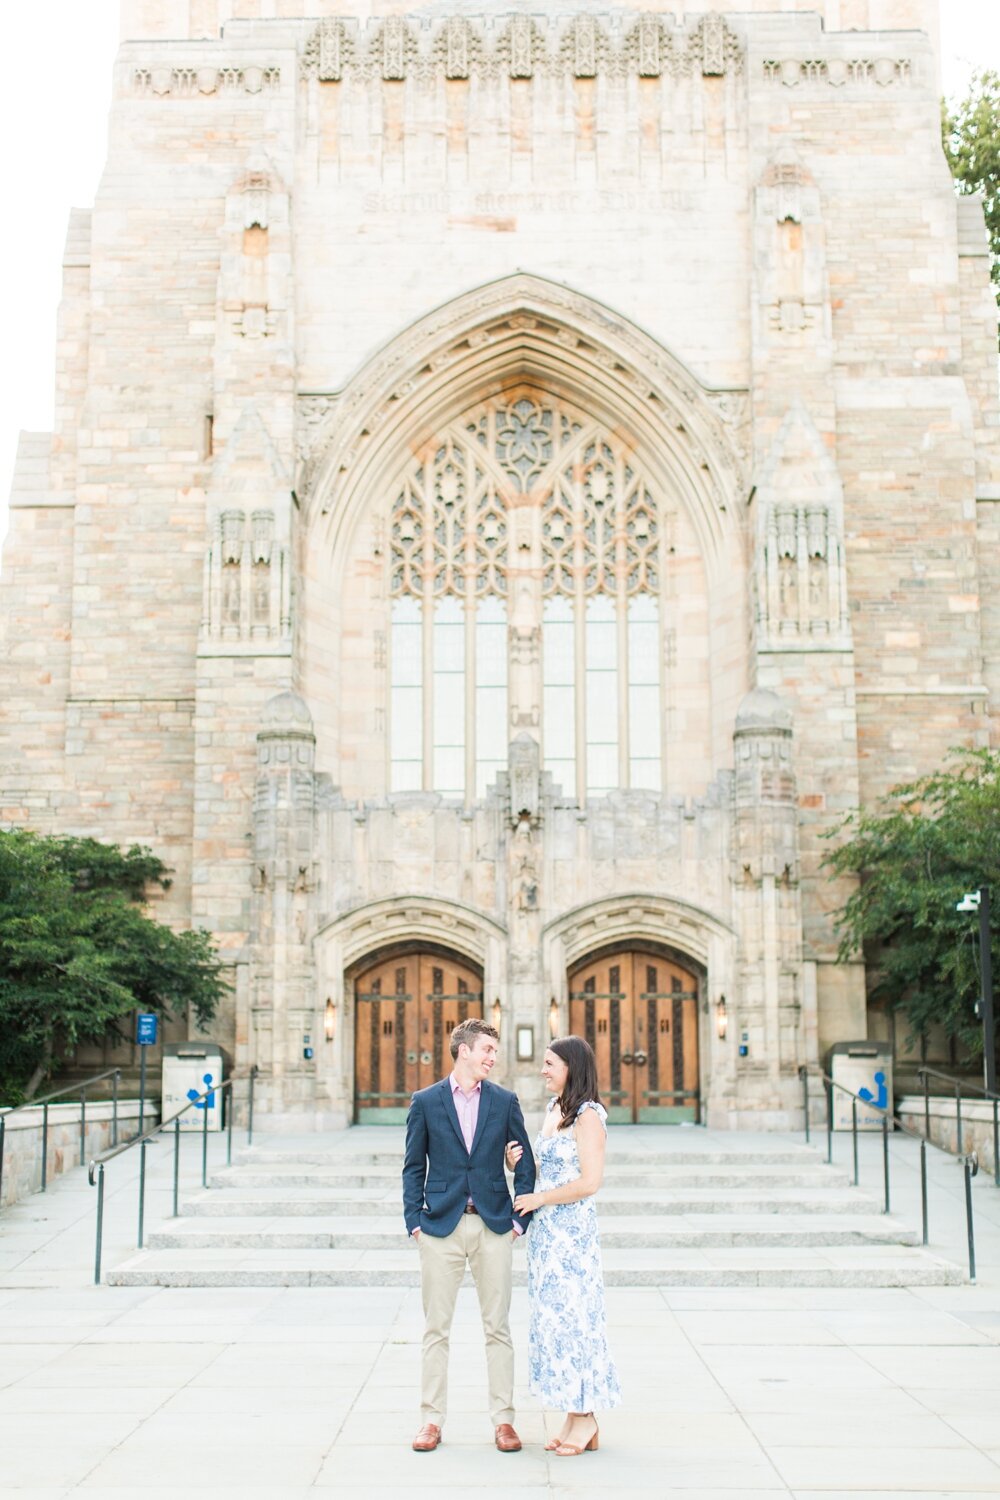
x=570, y=1368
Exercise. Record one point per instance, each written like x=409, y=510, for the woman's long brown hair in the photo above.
x=581, y=1079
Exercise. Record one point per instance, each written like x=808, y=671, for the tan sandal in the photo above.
x=571, y=1450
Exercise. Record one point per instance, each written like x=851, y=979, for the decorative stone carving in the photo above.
x=790, y=247
x=713, y=45
x=284, y=808
x=647, y=36
x=310, y=414
x=339, y=433
x=838, y=71
x=255, y=205
x=456, y=501
x=247, y=580
x=187, y=83
x=458, y=36
x=801, y=583
x=525, y=776
x=326, y=52
x=584, y=38
x=520, y=47
x=395, y=40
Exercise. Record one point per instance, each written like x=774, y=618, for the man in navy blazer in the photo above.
x=457, y=1206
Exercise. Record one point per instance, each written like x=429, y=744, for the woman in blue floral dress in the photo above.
x=570, y=1366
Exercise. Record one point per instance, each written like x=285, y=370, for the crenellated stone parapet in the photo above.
x=521, y=46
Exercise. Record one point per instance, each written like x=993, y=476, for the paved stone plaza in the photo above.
x=273, y=1393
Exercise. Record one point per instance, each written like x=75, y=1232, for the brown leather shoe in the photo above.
x=427, y=1438
x=507, y=1439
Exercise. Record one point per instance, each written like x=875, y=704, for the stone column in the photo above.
x=767, y=1016
x=283, y=1003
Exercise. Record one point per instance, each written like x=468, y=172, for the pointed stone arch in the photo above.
x=522, y=329
x=636, y=917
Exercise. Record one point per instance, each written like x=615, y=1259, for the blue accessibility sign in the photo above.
x=209, y=1100
x=145, y=1029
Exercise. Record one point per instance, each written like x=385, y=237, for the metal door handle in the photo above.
x=425, y=1057
x=640, y=1059
x=627, y=1057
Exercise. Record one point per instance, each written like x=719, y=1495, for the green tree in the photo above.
x=970, y=133
x=928, y=843
x=78, y=954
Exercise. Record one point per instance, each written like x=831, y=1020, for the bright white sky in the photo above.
x=53, y=113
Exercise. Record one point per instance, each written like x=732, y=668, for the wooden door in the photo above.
x=406, y=1008
x=639, y=1012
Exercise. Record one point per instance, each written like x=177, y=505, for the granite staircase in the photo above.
x=679, y=1207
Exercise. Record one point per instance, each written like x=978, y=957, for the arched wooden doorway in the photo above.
x=639, y=1012
x=405, y=1009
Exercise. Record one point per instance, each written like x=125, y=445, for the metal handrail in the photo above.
x=969, y=1160
x=43, y=1123
x=959, y=1085
x=204, y=1100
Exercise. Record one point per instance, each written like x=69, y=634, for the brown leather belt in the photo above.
x=470, y=1208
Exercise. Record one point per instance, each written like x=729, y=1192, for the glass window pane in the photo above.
x=644, y=693
x=407, y=724
x=602, y=696
x=449, y=708
x=644, y=722
x=491, y=691
x=559, y=695
x=491, y=611
x=491, y=655
x=448, y=765
x=602, y=637
x=602, y=708
x=491, y=721
x=643, y=653
x=449, y=772
x=645, y=775
x=560, y=729
x=602, y=768
x=406, y=643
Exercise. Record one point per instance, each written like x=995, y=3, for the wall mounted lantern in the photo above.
x=497, y=1014
x=330, y=1021
x=721, y=1018
x=553, y=1018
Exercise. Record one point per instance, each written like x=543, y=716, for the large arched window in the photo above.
x=525, y=525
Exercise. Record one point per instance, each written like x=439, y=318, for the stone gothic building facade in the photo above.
x=521, y=473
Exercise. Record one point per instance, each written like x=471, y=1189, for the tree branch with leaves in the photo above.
x=927, y=844
x=970, y=134
x=78, y=954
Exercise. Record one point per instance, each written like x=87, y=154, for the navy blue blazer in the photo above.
x=440, y=1175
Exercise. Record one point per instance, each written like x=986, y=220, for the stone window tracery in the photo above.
x=525, y=497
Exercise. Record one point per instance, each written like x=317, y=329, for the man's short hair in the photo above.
x=467, y=1031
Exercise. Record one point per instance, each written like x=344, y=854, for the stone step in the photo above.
x=326, y=1233
x=658, y=1176
x=353, y=1160
x=869, y=1266
x=283, y=1201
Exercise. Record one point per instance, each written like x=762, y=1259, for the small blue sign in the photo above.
x=209, y=1100
x=880, y=1100
x=145, y=1029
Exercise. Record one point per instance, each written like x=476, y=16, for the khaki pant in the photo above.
x=442, y=1266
